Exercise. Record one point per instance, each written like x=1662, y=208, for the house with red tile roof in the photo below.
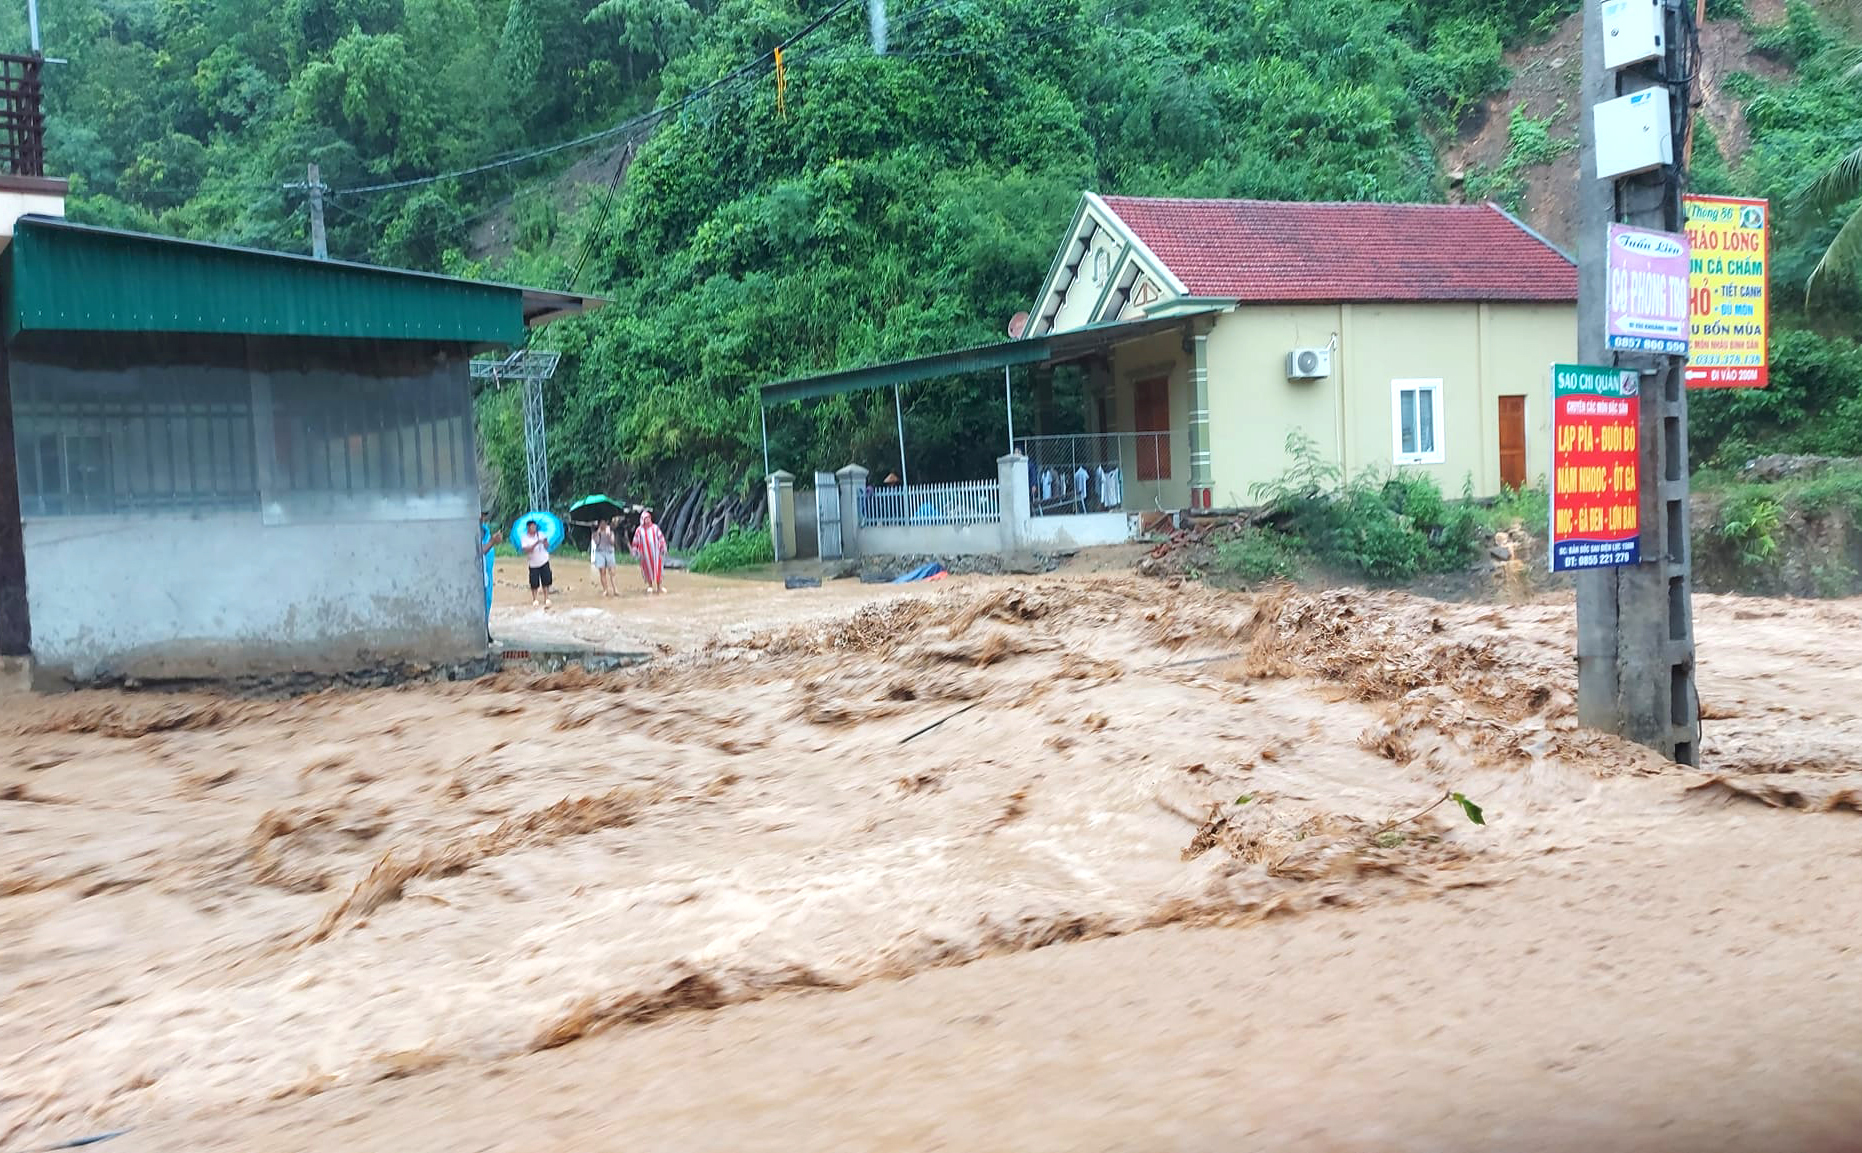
x=1414, y=336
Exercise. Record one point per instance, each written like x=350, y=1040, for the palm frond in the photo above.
x=1836, y=185
x=1842, y=257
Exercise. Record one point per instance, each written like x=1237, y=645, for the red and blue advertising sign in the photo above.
x=1595, y=495
x=1647, y=307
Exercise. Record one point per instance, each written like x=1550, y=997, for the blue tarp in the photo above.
x=922, y=572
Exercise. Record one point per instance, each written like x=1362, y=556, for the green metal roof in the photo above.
x=65, y=277
x=1061, y=346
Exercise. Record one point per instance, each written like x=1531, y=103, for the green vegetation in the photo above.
x=1800, y=535
x=736, y=549
x=1258, y=556
x=1385, y=527
x=895, y=205
x=1529, y=144
x=1750, y=523
x=1806, y=121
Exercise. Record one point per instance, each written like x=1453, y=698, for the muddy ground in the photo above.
x=1078, y=861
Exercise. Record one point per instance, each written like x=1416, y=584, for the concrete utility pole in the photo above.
x=316, y=188
x=1636, y=622
x=318, y=248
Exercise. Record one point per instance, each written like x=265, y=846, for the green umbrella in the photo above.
x=596, y=508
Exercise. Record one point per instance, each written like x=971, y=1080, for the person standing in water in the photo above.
x=601, y=556
x=650, y=551
x=487, y=541
x=536, y=546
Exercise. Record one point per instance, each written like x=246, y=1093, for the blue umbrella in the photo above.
x=549, y=522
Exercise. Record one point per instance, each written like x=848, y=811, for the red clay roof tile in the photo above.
x=1263, y=250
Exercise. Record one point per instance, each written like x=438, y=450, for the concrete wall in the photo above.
x=1252, y=404
x=1058, y=533
x=931, y=539
x=1519, y=345
x=1480, y=352
x=1161, y=355
x=223, y=595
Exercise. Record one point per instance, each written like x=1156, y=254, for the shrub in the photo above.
x=1386, y=527
x=737, y=549
x=1259, y=555
x=1750, y=524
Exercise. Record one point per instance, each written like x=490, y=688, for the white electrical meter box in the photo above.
x=1634, y=133
x=1632, y=32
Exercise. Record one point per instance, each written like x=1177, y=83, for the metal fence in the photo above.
x=964, y=502
x=1097, y=472
x=22, y=116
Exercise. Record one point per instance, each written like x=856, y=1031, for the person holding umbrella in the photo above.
x=601, y=555
x=650, y=550
x=536, y=546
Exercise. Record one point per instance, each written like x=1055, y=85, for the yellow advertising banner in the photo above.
x=1728, y=291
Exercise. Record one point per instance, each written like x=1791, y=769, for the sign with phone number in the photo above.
x=1595, y=491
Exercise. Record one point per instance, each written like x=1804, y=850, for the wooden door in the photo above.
x=1513, y=442
x=1151, y=410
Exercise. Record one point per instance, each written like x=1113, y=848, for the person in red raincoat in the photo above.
x=650, y=550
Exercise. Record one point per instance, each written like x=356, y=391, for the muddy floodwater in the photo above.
x=1067, y=862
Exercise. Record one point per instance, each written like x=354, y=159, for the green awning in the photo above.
x=1055, y=349
x=65, y=277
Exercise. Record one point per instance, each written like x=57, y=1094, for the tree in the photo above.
x=1834, y=193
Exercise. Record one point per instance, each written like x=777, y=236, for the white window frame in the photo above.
x=1438, y=454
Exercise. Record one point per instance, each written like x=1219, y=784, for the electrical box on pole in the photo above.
x=1632, y=32
x=1635, y=643
x=1635, y=133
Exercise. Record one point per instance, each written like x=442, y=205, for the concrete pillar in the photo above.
x=1635, y=642
x=15, y=614
x=1202, y=480
x=1012, y=474
x=852, y=482
x=782, y=513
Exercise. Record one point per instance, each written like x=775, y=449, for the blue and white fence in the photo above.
x=958, y=503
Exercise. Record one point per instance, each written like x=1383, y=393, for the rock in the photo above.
x=801, y=582
x=1781, y=465
x=1500, y=552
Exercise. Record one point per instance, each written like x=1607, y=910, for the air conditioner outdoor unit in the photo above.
x=1309, y=363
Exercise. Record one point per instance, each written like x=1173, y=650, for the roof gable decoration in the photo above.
x=1095, y=272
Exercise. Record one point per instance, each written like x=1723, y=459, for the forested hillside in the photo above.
x=870, y=206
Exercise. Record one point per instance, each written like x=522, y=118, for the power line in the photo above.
x=647, y=119
x=601, y=221
x=621, y=165
x=506, y=162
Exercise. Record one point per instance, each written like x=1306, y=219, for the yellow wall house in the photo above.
x=1413, y=336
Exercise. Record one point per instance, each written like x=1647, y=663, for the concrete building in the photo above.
x=1427, y=333
x=1209, y=332
x=218, y=462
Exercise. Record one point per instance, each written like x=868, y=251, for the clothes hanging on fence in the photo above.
x=1115, y=491
x=1079, y=487
x=1047, y=484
